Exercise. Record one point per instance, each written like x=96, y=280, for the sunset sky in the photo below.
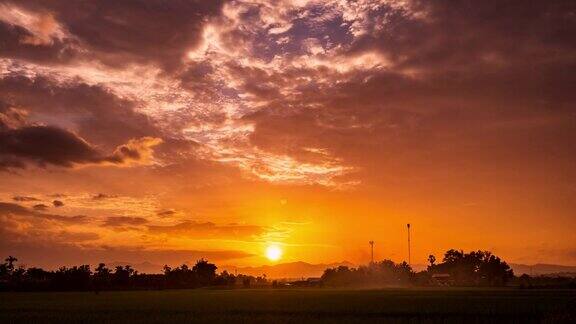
x=166, y=131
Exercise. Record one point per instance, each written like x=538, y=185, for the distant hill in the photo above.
x=287, y=270
x=541, y=269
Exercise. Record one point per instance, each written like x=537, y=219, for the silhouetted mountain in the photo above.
x=542, y=269
x=287, y=270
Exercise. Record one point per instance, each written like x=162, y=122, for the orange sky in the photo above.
x=172, y=131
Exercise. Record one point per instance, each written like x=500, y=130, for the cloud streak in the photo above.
x=7, y=209
x=202, y=230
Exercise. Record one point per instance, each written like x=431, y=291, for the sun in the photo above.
x=273, y=253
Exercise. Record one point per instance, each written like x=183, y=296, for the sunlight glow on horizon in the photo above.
x=273, y=253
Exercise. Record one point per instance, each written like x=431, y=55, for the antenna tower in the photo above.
x=408, y=227
x=371, y=251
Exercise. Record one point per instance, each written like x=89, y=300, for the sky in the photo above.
x=169, y=131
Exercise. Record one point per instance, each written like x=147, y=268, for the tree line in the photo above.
x=457, y=268
x=476, y=268
x=82, y=278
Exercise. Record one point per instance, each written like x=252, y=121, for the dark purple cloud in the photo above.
x=114, y=32
x=455, y=70
x=46, y=145
x=14, y=45
x=98, y=114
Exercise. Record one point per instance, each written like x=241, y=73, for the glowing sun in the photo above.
x=273, y=252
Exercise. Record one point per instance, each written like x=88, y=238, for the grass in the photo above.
x=292, y=306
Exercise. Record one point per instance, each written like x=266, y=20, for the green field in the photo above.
x=292, y=306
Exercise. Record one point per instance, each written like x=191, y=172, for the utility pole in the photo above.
x=408, y=226
x=371, y=252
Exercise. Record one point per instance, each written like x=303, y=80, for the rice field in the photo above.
x=292, y=306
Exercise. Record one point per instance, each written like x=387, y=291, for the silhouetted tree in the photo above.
x=121, y=276
x=383, y=273
x=10, y=264
x=181, y=277
x=37, y=279
x=493, y=271
x=431, y=261
x=74, y=278
x=474, y=268
x=225, y=279
x=3, y=270
x=102, y=277
x=205, y=271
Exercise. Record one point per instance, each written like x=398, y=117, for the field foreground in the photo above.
x=292, y=306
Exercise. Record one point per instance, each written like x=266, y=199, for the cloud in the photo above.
x=510, y=35
x=103, y=196
x=43, y=29
x=34, y=37
x=112, y=32
x=57, y=203
x=166, y=213
x=137, y=151
x=206, y=229
x=347, y=72
x=24, y=198
x=67, y=236
x=47, y=145
x=18, y=210
x=94, y=111
x=40, y=207
x=11, y=117
x=14, y=209
x=431, y=86
x=116, y=221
